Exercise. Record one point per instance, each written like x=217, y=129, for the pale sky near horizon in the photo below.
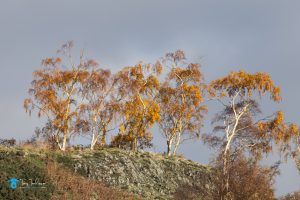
x=221, y=35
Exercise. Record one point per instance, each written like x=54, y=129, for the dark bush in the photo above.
x=292, y=196
x=247, y=180
x=8, y=142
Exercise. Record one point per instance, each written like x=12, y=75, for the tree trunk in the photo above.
x=64, y=144
x=94, y=138
x=56, y=138
x=226, y=162
x=93, y=142
x=177, y=143
x=92, y=147
x=103, y=139
x=134, y=145
x=226, y=158
x=169, y=145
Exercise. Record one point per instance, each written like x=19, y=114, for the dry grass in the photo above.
x=70, y=186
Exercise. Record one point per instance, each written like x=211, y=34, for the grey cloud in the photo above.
x=222, y=35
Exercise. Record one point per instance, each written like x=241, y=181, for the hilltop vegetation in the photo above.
x=60, y=183
x=111, y=173
x=102, y=174
x=81, y=98
x=18, y=164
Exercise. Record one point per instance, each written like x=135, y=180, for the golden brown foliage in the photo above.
x=180, y=98
x=138, y=110
x=99, y=106
x=241, y=127
x=242, y=130
x=245, y=84
x=53, y=93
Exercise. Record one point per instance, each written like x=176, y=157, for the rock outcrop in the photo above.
x=149, y=175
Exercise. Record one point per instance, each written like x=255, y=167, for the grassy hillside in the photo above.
x=18, y=164
x=103, y=174
x=60, y=183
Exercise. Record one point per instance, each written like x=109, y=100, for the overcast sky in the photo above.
x=251, y=35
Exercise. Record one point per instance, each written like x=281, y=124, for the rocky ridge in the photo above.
x=149, y=175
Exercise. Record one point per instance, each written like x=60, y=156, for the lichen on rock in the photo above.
x=149, y=175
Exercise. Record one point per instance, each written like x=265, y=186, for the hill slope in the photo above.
x=31, y=168
x=152, y=176
x=103, y=174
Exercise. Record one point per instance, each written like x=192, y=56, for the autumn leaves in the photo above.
x=180, y=98
x=244, y=129
x=138, y=109
x=85, y=99
x=81, y=98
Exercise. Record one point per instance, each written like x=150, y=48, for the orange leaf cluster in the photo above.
x=245, y=84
